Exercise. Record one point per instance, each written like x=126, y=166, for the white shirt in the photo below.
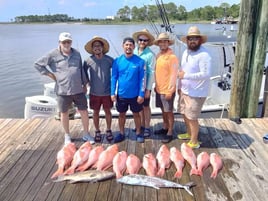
x=197, y=68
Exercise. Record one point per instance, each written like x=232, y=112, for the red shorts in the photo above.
x=96, y=102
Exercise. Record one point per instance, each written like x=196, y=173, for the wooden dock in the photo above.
x=28, y=151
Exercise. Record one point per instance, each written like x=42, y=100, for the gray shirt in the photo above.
x=70, y=77
x=99, y=74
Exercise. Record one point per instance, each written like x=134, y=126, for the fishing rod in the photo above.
x=152, y=24
x=163, y=15
x=166, y=17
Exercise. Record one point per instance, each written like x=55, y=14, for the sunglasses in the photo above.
x=195, y=38
x=143, y=40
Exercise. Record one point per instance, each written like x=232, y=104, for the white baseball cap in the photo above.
x=65, y=36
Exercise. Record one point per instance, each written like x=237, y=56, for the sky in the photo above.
x=9, y=9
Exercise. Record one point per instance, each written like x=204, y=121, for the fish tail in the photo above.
x=57, y=173
x=194, y=171
x=178, y=174
x=161, y=172
x=213, y=174
x=187, y=187
x=69, y=171
x=199, y=172
x=118, y=175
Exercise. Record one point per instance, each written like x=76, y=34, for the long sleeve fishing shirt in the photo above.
x=197, y=68
x=70, y=78
x=149, y=57
x=128, y=79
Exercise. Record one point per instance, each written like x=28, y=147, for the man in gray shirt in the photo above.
x=98, y=67
x=65, y=68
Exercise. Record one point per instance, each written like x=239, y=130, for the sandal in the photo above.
x=109, y=135
x=98, y=136
x=146, y=132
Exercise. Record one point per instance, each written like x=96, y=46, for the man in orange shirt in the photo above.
x=166, y=70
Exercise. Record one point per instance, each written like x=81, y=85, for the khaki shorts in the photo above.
x=190, y=106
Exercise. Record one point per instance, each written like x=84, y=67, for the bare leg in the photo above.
x=85, y=120
x=96, y=118
x=142, y=117
x=65, y=121
x=147, y=117
x=108, y=118
x=137, y=121
x=194, y=127
x=122, y=121
x=170, y=119
x=165, y=119
x=188, y=129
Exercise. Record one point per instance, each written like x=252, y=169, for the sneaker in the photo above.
x=119, y=138
x=167, y=139
x=161, y=131
x=193, y=146
x=184, y=136
x=89, y=138
x=67, y=139
x=147, y=132
x=140, y=138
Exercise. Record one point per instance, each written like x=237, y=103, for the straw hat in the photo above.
x=88, y=46
x=164, y=36
x=146, y=33
x=194, y=31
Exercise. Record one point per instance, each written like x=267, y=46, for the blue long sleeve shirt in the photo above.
x=128, y=77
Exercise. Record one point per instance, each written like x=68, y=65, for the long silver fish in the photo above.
x=154, y=182
x=86, y=176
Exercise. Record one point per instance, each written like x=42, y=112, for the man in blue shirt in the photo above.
x=129, y=83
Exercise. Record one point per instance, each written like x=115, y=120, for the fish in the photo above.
x=163, y=160
x=119, y=163
x=178, y=160
x=189, y=155
x=106, y=157
x=80, y=157
x=203, y=161
x=91, y=176
x=149, y=163
x=154, y=182
x=133, y=164
x=92, y=158
x=216, y=163
x=64, y=158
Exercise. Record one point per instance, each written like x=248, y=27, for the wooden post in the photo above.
x=249, y=58
x=265, y=96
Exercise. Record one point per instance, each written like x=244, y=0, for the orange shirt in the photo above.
x=166, y=70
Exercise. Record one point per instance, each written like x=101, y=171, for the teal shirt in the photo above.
x=149, y=57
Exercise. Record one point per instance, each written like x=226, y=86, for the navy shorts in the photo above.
x=123, y=103
x=65, y=102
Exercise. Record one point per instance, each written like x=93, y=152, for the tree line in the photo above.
x=148, y=12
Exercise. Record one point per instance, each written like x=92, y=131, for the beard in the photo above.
x=194, y=46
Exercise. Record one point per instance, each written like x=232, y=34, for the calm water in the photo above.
x=21, y=45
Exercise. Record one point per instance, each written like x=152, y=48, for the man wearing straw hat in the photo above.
x=193, y=84
x=144, y=39
x=98, y=67
x=166, y=70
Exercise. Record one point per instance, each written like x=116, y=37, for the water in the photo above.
x=21, y=45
